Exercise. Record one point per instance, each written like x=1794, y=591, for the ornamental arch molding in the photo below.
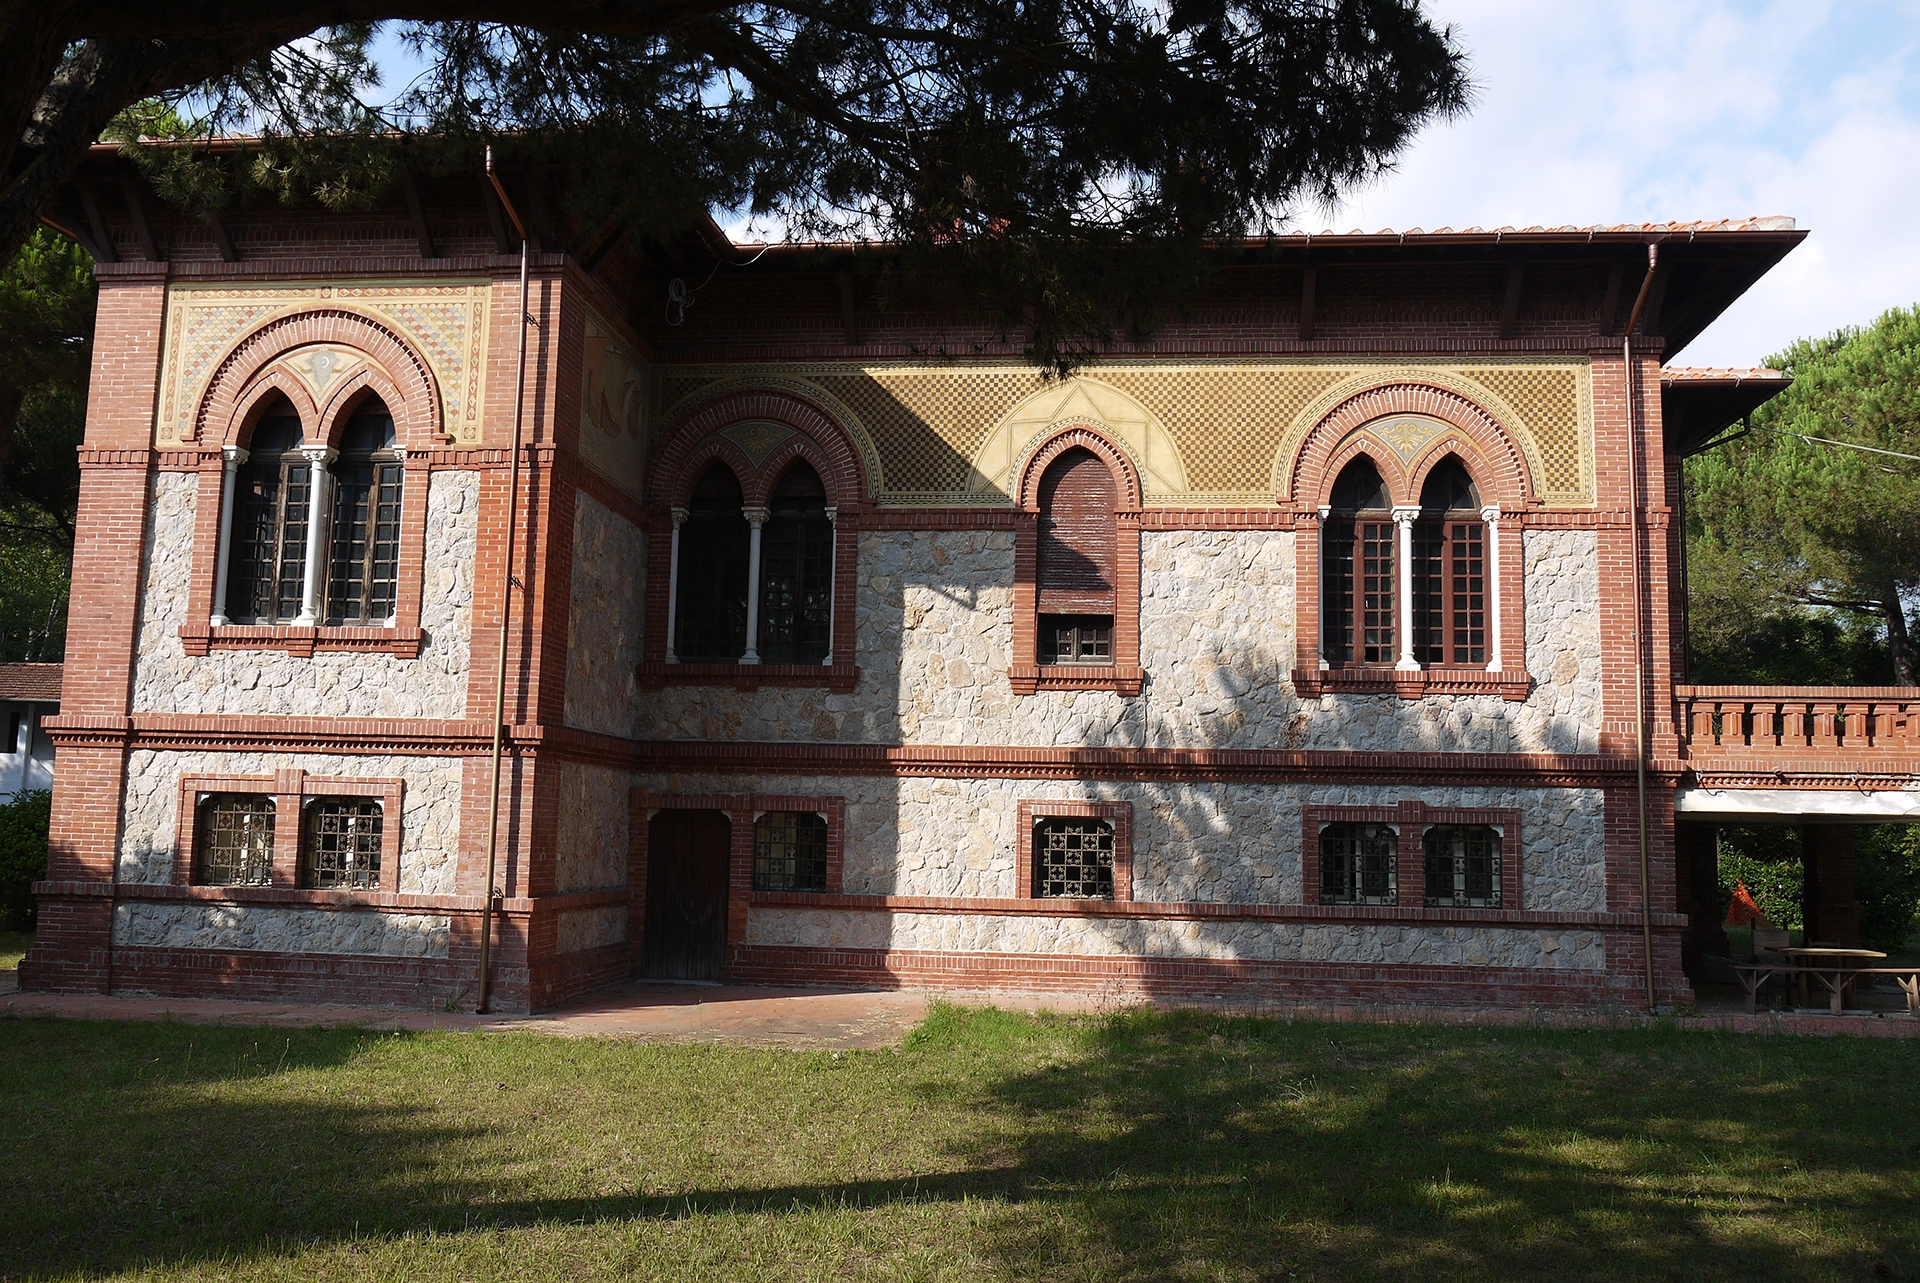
x=1146, y=462
x=759, y=427
x=1071, y=436
x=328, y=354
x=1407, y=421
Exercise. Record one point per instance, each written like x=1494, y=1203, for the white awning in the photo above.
x=1808, y=805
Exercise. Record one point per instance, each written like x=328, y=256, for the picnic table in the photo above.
x=1834, y=967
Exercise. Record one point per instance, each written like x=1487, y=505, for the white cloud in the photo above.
x=1661, y=110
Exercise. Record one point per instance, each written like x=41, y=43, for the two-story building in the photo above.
x=1325, y=646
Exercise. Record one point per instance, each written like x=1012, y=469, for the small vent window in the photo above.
x=1076, y=639
x=235, y=846
x=790, y=851
x=1073, y=859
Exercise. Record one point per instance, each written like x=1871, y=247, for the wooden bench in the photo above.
x=1838, y=980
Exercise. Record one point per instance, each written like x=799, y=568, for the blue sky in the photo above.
x=1654, y=110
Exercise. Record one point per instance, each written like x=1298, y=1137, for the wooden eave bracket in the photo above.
x=1510, y=308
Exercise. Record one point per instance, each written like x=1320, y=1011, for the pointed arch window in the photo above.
x=1450, y=570
x=1078, y=542
x=269, y=514
x=796, y=572
x=1357, y=553
x=710, y=610
x=364, y=566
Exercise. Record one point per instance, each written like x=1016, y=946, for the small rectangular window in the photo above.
x=1359, y=864
x=1463, y=866
x=1073, y=859
x=790, y=851
x=235, y=842
x=1076, y=639
x=342, y=847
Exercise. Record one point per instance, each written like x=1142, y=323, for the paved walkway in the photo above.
x=836, y=1019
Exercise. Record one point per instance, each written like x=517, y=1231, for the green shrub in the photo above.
x=1768, y=861
x=1886, y=873
x=23, y=855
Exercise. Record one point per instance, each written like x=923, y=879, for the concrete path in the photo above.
x=826, y=1019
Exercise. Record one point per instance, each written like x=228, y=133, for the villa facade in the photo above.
x=1312, y=650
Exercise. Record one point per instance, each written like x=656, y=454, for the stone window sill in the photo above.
x=654, y=675
x=1031, y=679
x=403, y=643
x=1439, y=680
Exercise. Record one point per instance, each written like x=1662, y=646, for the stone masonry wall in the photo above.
x=252, y=926
x=1110, y=937
x=592, y=847
x=430, y=823
x=934, y=636
x=580, y=929
x=606, y=617
x=330, y=683
x=1209, y=843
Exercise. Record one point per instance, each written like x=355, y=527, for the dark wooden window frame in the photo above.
x=1449, y=556
x=1124, y=676
x=1119, y=814
x=379, y=559
x=1411, y=821
x=291, y=790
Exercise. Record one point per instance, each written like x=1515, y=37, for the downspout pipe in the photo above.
x=1639, y=602
x=506, y=597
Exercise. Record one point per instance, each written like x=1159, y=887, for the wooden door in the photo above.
x=686, y=895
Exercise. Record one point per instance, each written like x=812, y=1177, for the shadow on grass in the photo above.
x=1132, y=1147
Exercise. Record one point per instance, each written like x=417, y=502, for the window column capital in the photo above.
x=319, y=455
x=234, y=455
x=1406, y=514
x=680, y=516
x=1490, y=514
x=1326, y=511
x=756, y=517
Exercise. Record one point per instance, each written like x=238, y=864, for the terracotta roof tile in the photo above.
x=34, y=683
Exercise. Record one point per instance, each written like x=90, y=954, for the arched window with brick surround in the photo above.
x=1076, y=555
x=267, y=554
x=1450, y=570
x=710, y=615
x=364, y=574
x=1357, y=558
x=796, y=571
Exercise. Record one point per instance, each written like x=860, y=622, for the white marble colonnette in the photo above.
x=327, y=684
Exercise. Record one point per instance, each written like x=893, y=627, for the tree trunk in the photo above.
x=11, y=398
x=1898, y=643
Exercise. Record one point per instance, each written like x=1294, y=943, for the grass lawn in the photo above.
x=13, y=947
x=992, y=1146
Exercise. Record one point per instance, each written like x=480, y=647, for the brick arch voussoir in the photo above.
x=1363, y=445
x=251, y=406
x=346, y=399
x=845, y=474
x=1452, y=446
x=418, y=401
x=1126, y=477
x=1506, y=476
x=794, y=449
x=705, y=454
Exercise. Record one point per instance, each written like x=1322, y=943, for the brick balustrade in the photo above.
x=1796, y=727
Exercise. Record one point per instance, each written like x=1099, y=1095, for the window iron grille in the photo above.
x=1359, y=864
x=1073, y=859
x=342, y=850
x=1463, y=866
x=236, y=841
x=790, y=851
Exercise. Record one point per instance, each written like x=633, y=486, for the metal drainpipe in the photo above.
x=1639, y=597
x=506, y=594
